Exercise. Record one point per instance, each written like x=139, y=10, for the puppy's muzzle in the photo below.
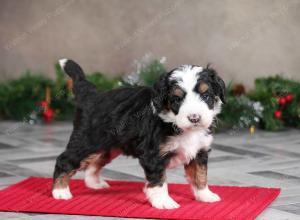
x=194, y=118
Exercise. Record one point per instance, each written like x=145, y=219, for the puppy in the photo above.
x=162, y=126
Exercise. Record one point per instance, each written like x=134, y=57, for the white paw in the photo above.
x=63, y=193
x=96, y=183
x=159, y=197
x=205, y=195
x=165, y=202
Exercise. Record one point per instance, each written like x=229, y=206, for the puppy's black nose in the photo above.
x=194, y=118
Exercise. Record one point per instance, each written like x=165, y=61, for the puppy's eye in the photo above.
x=176, y=98
x=205, y=97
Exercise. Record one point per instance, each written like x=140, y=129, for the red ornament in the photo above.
x=44, y=104
x=48, y=115
x=289, y=98
x=278, y=114
x=282, y=101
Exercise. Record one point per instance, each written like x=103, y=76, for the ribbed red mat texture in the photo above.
x=126, y=199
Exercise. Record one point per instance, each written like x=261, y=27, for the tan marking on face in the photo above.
x=196, y=174
x=178, y=92
x=203, y=87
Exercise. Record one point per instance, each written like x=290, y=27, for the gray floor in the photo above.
x=265, y=159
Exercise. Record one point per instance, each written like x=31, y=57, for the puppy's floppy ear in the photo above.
x=217, y=82
x=161, y=88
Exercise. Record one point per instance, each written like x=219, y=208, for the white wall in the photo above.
x=244, y=39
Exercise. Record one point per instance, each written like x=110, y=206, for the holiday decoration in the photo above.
x=271, y=92
x=48, y=95
x=47, y=112
x=273, y=102
x=238, y=90
x=33, y=118
x=48, y=115
x=278, y=114
x=239, y=111
x=252, y=129
x=282, y=101
x=146, y=71
x=19, y=97
x=44, y=104
x=289, y=98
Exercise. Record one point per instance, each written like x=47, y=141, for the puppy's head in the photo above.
x=189, y=96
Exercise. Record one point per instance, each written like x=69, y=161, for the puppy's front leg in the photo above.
x=196, y=173
x=156, y=188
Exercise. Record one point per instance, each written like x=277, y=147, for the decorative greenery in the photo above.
x=20, y=98
x=268, y=91
x=239, y=111
x=147, y=71
x=102, y=82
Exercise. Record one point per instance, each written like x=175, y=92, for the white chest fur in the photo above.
x=187, y=145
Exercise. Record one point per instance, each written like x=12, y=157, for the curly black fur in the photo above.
x=124, y=118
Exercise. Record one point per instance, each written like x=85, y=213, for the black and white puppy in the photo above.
x=162, y=126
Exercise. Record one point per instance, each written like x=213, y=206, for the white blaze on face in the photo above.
x=186, y=78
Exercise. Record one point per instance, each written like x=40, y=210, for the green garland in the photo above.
x=268, y=90
x=19, y=98
x=239, y=111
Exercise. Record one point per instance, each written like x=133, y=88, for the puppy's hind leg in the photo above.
x=92, y=173
x=66, y=166
x=62, y=174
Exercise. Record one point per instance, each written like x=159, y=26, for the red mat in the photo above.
x=126, y=199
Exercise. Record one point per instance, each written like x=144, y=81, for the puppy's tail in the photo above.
x=72, y=69
x=83, y=90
